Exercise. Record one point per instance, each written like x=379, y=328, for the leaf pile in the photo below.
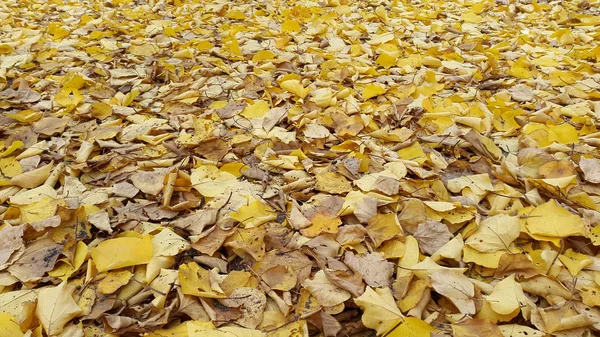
x=299, y=168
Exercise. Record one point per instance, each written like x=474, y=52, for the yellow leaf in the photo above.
x=332, y=182
x=196, y=281
x=56, y=307
x=143, y=50
x=290, y=26
x=256, y=110
x=73, y=81
x=388, y=49
x=113, y=281
x=590, y=295
x=68, y=98
x=122, y=252
x=564, y=36
x=520, y=69
x=65, y=269
x=128, y=99
x=380, y=311
x=101, y=110
x=495, y=233
x=12, y=148
x=295, y=87
x=263, y=55
x=385, y=60
x=575, y=261
x=326, y=293
x=168, y=243
x=57, y=30
x=253, y=214
x=210, y=182
x=595, y=236
x=414, y=152
x=372, y=90
x=515, y=330
x=488, y=260
x=185, y=329
x=38, y=211
x=234, y=168
x=412, y=327
x=26, y=116
x=9, y=326
x=559, y=78
x=235, y=14
x=322, y=224
x=550, y=219
x=10, y=167
x=233, y=47
x=507, y=297
x=204, y=45
x=471, y=17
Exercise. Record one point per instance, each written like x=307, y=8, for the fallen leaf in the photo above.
x=122, y=252
x=56, y=307
x=457, y=288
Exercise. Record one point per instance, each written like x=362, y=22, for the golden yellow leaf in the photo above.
x=9, y=327
x=373, y=90
x=113, y=281
x=574, y=261
x=196, y=281
x=289, y=26
x=321, y=223
x=122, y=252
x=507, y=297
x=332, y=182
x=295, y=87
x=550, y=219
x=253, y=214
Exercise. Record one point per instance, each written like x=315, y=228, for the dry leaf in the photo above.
x=56, y=307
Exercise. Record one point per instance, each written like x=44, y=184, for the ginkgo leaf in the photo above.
x=56, y=307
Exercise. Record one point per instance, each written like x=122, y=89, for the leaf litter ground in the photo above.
x=299, y=168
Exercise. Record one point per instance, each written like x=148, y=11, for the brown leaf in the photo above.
x=12, y=240
x=517, y=264
x=39, y=257
x=373, y=267
x=432, y=235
